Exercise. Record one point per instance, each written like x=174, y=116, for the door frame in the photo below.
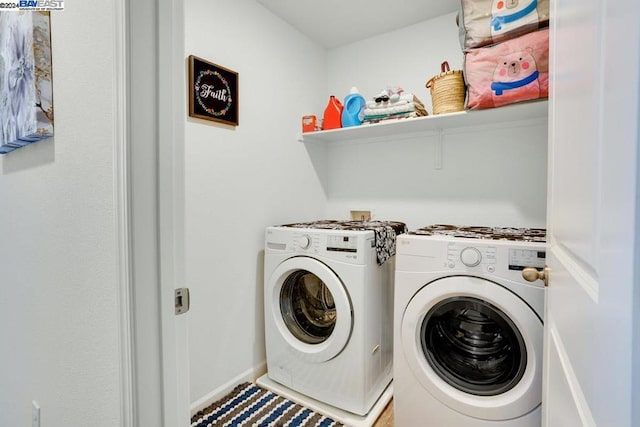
x=122, y=207
x=149, y=194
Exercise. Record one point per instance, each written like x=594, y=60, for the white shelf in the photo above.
x=463, y=119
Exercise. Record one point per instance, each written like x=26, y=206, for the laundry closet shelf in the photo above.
x=463, y=119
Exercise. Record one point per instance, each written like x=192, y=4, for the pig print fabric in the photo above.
x=486, y=22
x=514, y=71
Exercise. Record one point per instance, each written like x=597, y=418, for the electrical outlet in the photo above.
x=35, y=414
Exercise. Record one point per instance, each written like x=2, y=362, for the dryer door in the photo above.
x=310, y=307
x=475, y=346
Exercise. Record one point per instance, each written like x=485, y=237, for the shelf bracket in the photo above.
x=438, y=152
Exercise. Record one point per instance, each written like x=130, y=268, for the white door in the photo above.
x=592, y=208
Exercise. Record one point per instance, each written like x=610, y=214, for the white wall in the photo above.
x=58, y=274
x=493, y=176
x=490, y=177
x=240, y=180
x=407, y=58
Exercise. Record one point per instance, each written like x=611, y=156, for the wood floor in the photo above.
x=386, y=418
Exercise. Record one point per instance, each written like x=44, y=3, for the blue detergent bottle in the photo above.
x=353, y=112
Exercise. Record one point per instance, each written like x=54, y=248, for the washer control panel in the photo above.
x=315, y=243
x=342, y=243
x=351, y=246
x=486, y=257
x=303, y=242
x=471, y=256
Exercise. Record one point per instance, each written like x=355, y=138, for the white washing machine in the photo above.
x=328, y=314
x=468, y=328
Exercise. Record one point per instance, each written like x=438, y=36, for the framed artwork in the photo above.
x=26, y=95
x=213, y=92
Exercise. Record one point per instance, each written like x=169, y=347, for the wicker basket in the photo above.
x=447, y=90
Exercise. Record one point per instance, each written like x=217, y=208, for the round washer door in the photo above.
x=475, y=346
x=310, y=308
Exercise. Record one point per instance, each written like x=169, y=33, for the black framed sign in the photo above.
x=213, y=92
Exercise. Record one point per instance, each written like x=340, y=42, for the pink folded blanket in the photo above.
x=514, y=71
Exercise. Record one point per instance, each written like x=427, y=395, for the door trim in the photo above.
x=154, y=106
x=123, y=237
x=170, y=126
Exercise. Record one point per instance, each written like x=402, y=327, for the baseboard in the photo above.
x=249, y=375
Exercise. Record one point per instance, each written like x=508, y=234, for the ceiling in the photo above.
x=334, y=23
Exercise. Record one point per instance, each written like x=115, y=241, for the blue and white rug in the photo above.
x=251, y=405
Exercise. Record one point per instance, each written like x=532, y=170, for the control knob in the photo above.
x=304, y=241
x=470, y=257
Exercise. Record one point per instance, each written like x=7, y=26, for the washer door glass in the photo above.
x=473, y=346
x=308, y=308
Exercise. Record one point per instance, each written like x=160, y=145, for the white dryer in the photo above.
x=328, y=315
x=468, y=328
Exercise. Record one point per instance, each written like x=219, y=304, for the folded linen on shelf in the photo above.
x=407, y=105
x=392, y=109
x=402, y=98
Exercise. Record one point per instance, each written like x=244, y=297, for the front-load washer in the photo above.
x=468, y=329
x=329, y=310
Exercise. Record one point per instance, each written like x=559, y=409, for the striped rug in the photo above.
x=251, y=405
